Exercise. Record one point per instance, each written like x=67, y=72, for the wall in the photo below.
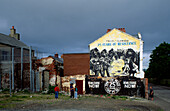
x=121, y=85
x=76, y=64
x=53, y=67
x=115, y=54
x=66, y=80
x=49, y=64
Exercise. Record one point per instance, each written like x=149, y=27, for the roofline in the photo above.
x=25, y=47
x=15, y=46
x=117, y=30
x=74, y=53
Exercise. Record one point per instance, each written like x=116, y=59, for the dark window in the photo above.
x=5, y=55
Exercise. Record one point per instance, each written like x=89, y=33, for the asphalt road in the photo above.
x=162, y=96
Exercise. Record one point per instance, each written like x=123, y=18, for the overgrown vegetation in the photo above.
x=51, y=89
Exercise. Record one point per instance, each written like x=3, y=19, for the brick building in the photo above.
x=76, y=67
x=15, y=60
x=50, y=70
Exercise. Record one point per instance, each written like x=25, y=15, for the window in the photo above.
x=5, y=55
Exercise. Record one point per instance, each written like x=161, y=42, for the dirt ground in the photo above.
x=84, y=103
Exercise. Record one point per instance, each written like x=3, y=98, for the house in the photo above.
x=15, y=61
x=117, y=54
x=50, y=70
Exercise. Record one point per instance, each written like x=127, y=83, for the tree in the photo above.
x=159, y=66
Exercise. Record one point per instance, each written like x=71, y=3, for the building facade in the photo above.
x=15, y=57
x=116, y=64
x=50, y=72
x=76, y=67
x=117, y=54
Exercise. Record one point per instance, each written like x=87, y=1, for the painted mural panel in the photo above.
x=115, y=54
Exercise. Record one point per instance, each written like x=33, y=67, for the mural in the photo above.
x=120, y=85
x=111, y=63
x=115, y=54
x=112, y=86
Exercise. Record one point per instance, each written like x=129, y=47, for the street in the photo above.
x=161, y=96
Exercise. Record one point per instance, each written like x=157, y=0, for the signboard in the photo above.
x=115, y=54
x=129, y=84
x=93, y=84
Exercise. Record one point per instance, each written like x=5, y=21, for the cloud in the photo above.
x=70, y=25
x=3, y=24
x=146, y=58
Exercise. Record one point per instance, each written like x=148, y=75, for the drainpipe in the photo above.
x=141, y=57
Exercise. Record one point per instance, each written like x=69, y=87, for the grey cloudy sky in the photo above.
x=68, y=26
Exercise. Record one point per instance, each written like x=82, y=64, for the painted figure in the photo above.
x=95, y=64
x=105, y=63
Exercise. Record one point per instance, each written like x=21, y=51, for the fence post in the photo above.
x=30, y=53
x=12, y=68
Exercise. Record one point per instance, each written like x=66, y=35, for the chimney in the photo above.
x=62, y=56
x=14, y=34
x=139, y=35
x=56, y=55
x=108, y=30
x=122, y=29
x=13, y=31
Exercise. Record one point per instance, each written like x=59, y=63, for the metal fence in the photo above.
x=17, y=70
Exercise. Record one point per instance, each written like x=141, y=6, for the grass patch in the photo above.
x=16, y=100
x=127, y=109
x=24, y=96
x=119, y=97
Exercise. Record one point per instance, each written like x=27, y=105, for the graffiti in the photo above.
x=129, y=84
x=123, y=62
x=112, y=86
x=93, y=84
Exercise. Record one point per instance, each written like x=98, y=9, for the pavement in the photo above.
x=161, y=96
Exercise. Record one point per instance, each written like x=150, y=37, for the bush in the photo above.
x=6, y=89
x=51, y=89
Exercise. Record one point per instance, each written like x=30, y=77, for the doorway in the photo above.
x=79, y=84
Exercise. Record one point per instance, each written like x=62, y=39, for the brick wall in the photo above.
x=76, y=64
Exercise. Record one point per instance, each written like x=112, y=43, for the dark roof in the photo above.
x=60, y=60
x=11, y=41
